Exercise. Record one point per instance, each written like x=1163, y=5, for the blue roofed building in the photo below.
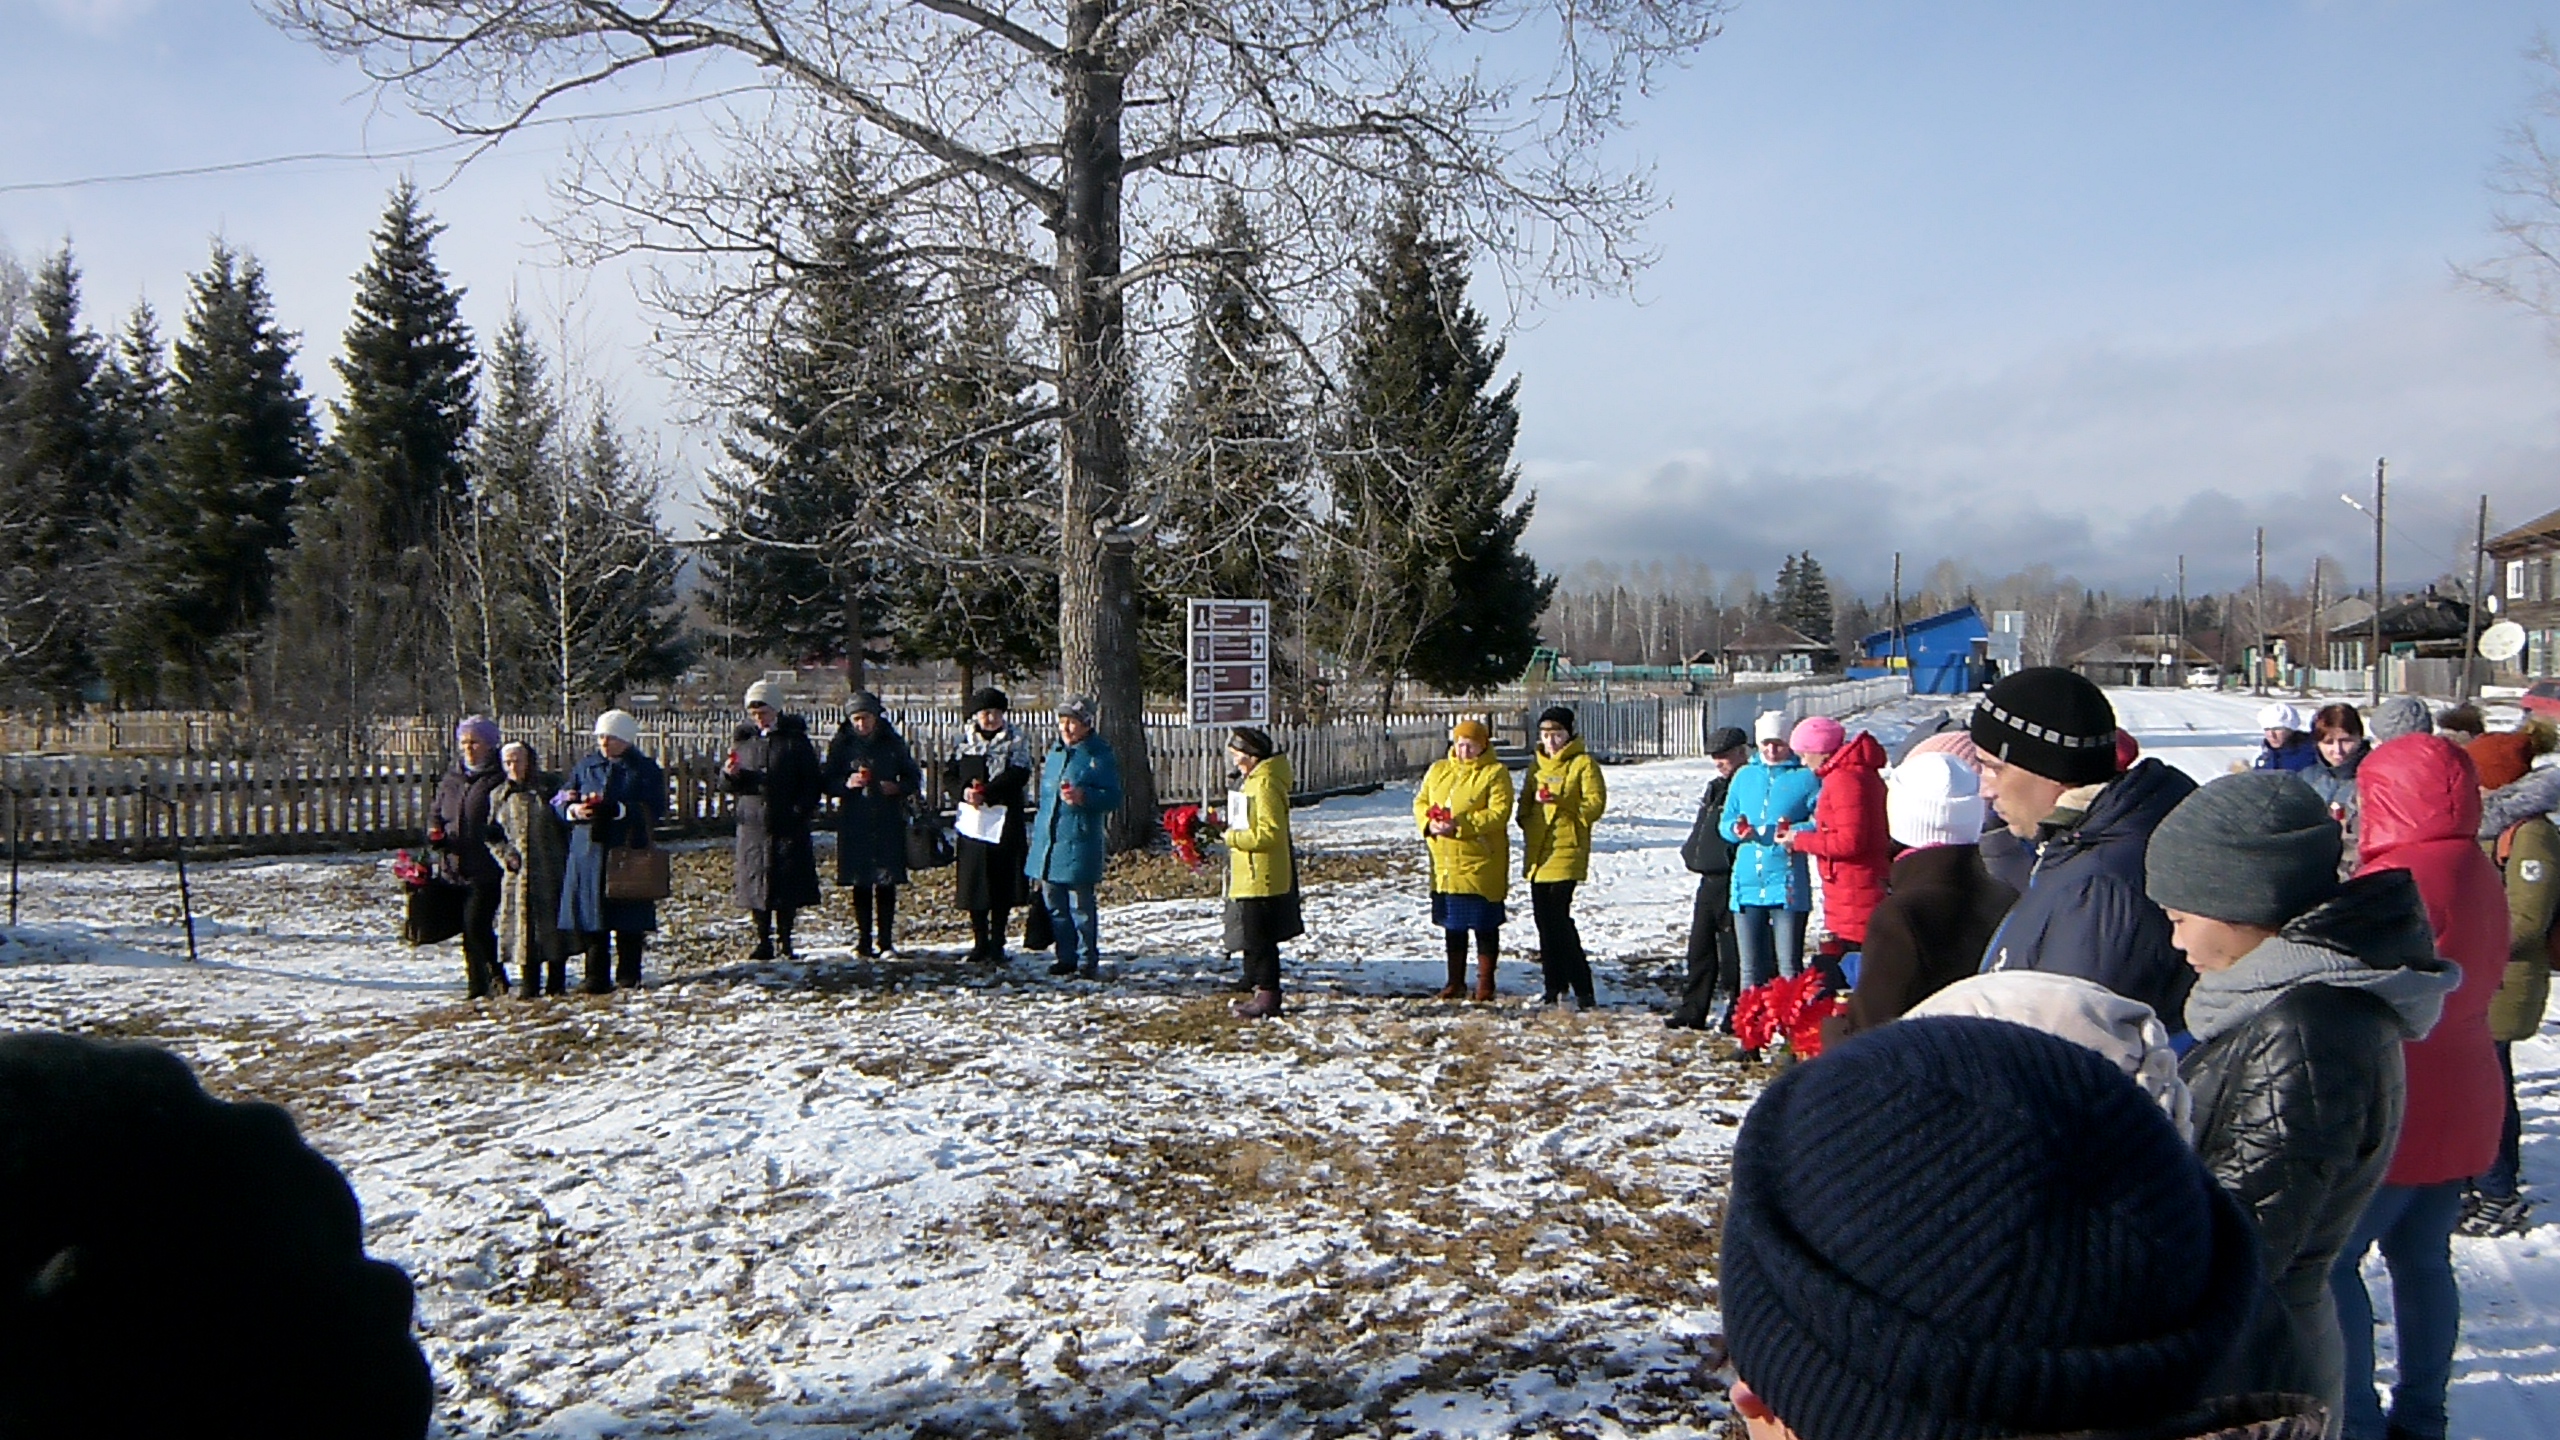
x=1946, y=654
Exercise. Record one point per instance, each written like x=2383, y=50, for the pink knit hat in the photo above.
x=1817, y=735
x=1951, y=742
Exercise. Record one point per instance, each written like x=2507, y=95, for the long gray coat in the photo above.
x=776, y=783
x=528, y=839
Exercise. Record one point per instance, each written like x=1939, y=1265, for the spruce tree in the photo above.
x=809, y=517
x=58, y=494
x=1807, y=607
x=398, y=435
x=136, y=389
x=240, y=443
x=986, y=493
x=517, y=466
x=366, y=577
x=1233, y=464
x=1423, y=576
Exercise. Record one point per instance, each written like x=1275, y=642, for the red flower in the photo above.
x=1791, y=1009
x=409, y=871
x=1182, y=827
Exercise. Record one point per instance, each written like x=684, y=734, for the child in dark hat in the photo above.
x=2305, y=991
x=1715, y=960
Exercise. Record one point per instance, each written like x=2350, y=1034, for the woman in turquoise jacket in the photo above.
x=1771, y=889
x=1079, y=788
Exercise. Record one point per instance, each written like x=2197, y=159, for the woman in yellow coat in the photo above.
x=1464, y=809
x=1262, y=868
x=1560, y=800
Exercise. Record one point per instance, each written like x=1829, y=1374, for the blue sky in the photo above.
x=2079, y=284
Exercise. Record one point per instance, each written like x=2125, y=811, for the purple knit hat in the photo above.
x=479, y=727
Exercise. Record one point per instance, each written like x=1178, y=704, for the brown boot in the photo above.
x=1484, y=978
x=1456, y=989
x=1263, y=1005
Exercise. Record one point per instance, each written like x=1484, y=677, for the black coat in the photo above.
x=1706, y=852
x=461, y=811
x=871, y=828
x=2084, y=911
x=1941, y=908
x=2297, y=1114
x=776, y=782
x=178, y=1265
x=989, y=877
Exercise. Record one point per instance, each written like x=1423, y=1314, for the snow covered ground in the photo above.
x=924, y=1199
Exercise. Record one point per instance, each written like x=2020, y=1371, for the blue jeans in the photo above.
x=1077, y=920
x=1771, y=939
x=2414, y=1225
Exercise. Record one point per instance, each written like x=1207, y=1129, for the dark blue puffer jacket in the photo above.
x=2084, y=912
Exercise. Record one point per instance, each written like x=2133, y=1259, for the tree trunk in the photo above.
x=1097, y=629
x=854, y=654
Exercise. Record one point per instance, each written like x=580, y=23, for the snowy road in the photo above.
x=923, y=1199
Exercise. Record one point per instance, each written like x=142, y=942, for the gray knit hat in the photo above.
x=2256, y=848
x=2396, y=716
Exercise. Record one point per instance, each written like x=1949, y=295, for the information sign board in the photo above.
x=1230, y=662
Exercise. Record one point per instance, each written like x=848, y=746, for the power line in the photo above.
x=356, y=157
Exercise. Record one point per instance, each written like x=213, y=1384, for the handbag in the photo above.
x=1038, y=931
x=637, y=872
x=434, y=912
x=929, y=843
x=1703, y=852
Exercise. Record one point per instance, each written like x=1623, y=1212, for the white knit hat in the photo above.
x=2280, y=716
x=1772, y=725
x=2084, y=1013
x=765, y=692
x=1933, y=798
x=622, y=725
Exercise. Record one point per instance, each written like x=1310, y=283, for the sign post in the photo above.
x=1230, y=671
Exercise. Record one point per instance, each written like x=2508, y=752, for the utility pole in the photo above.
x=1901, y=643
x=2471, y=612
x=2378, y=466
x=2181, y=666
x=2315, y=639
x=2258, y=670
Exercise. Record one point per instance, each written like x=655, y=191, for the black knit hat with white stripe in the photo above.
x=2051, y=721
x=1957, y=1229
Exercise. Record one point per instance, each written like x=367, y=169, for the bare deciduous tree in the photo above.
x=1066, y=150
x=2525, y=210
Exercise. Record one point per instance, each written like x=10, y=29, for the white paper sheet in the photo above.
x=983, y=823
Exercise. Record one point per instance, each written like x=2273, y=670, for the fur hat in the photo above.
x=986, y=697
x=2058, y=1259
x=1933, y=798
x=1817, y=735
x=2256, y=848
x=765, y=692
x=2052, y=721
x=621, y=725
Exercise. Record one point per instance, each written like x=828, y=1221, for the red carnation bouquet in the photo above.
x=1439, y=815
x=411, y=871
x=1788, y=1009
x=1184, y=827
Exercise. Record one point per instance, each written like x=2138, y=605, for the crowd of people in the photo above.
x=2255, y=1030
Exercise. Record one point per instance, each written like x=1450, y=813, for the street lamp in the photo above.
x=2376, y=513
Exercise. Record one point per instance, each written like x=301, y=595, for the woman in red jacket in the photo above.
x=1847, y=839
x=2420, y=812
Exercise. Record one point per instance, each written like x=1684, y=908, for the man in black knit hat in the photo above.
x=2048, y=743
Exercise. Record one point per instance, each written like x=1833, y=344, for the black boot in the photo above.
x=626, y=959
x=475, y=975
x=599, y=950
x=556, y=982
x=532, y=988
x=862, y=945
x=764, y=938
x=884, y=919
x=782, y=922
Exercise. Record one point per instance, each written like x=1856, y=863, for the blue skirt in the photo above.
x=1465, y=912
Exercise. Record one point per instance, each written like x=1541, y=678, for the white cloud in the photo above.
x=2107, y=460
